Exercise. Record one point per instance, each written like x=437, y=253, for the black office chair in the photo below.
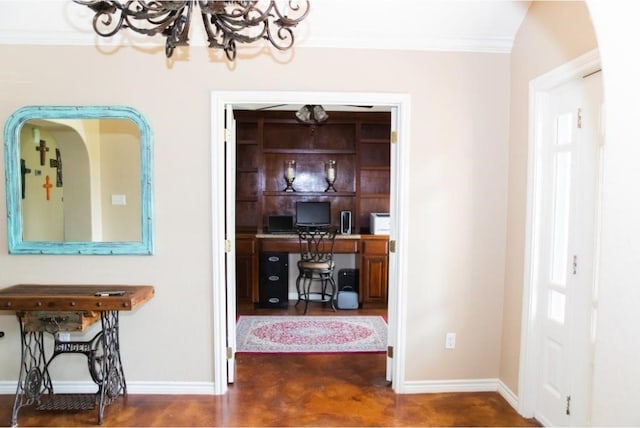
x=316, y=265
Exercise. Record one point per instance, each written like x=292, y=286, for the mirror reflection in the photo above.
x=78, y=181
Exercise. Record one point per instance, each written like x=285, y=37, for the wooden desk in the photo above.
x=372, y=261
x=62, y=308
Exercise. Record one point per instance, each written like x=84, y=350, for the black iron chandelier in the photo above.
x=227, y=23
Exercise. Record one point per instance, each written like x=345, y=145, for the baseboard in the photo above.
x=453, y=385
x=508, y=395
x=151, y=388
x=207, y=388
x=468, y=385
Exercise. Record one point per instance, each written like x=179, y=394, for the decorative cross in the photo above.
x=23, y=172
x=43, y=149
x=47, y=187
x=57, y=164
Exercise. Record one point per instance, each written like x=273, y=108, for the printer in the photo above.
x=380, y=223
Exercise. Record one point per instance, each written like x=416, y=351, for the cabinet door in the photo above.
x=374, y=275
x=246, y=271
x=375, y=279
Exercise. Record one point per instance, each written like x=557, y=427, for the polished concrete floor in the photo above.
x=294, y=390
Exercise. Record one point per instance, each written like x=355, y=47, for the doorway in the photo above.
x=560, y=289
x=223, y=246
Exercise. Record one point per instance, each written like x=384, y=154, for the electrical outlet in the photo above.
x=450, y=341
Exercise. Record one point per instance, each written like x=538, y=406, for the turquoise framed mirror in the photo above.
x=78, y=180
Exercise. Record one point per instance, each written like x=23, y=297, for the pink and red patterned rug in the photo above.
x=311, y=334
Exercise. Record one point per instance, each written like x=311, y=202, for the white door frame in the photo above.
x=538, y=94
x=400, y=104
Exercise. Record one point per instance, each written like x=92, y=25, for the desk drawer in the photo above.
x=54, y=322
x=346, y=246
x=375, y=246
x=280, y=245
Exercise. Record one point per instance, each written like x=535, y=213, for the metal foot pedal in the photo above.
x=67, y=402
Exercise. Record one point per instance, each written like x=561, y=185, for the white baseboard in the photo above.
x=468, y=385
x=208, y=388
x=151, y=388
x=508, y=395
x=453, y=385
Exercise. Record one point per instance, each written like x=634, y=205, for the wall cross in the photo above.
x=47, y=187
x=43, y=149
x=23, y=172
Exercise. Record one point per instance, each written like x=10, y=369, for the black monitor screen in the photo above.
x=313, y=213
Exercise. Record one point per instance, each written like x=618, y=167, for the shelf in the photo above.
x=358, y=141
x=374, y=168
x=310, y=151
x=374, y=196
x=301, y=194
x=374, y=141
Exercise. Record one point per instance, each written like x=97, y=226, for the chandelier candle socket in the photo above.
x=330, y=168
x=225, y=22
x=289, y=174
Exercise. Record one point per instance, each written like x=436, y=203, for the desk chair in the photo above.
x=316, y=265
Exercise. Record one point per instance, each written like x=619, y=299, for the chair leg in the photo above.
x=306, y=286
x=298, y=287
x=333, y=293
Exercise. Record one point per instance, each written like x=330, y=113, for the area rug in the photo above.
x=311, y=334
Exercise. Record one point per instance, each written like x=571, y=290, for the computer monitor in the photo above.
x=280, y=224
x=313, y=213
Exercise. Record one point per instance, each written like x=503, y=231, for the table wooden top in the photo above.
x=50, y=297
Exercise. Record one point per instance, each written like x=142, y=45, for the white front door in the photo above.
x=569, y=169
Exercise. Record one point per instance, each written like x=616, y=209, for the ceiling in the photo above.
x=429, y=25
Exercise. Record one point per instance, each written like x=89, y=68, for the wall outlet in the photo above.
x=450, y=341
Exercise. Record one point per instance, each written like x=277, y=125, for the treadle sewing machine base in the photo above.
x=56, y=309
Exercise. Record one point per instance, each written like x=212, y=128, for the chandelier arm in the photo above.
x=285, y=38
x=178, y=33
x=162, y=16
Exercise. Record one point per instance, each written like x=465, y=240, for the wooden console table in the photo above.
x=70, y=308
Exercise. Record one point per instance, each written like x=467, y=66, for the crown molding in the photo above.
x=438, y=44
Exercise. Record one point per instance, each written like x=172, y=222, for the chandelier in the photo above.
x=227, y=23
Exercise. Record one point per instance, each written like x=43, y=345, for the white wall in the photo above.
x=617, y=372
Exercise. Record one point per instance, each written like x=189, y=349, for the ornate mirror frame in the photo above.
x=12, y=131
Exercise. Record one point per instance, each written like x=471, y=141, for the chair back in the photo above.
x=316, y=243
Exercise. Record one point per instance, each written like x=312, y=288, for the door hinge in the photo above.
x=229, y=353
x=579, y=118
x=394, y=137
x=389, y=351
x=227, y=134
x=392, y=246
x=568, y=411
x=227, y=246
x=575, y=264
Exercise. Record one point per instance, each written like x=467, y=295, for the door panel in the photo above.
x=567, y=241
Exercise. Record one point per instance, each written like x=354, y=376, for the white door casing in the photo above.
x=399, y=105
x=559, y=284
x=230, y=231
